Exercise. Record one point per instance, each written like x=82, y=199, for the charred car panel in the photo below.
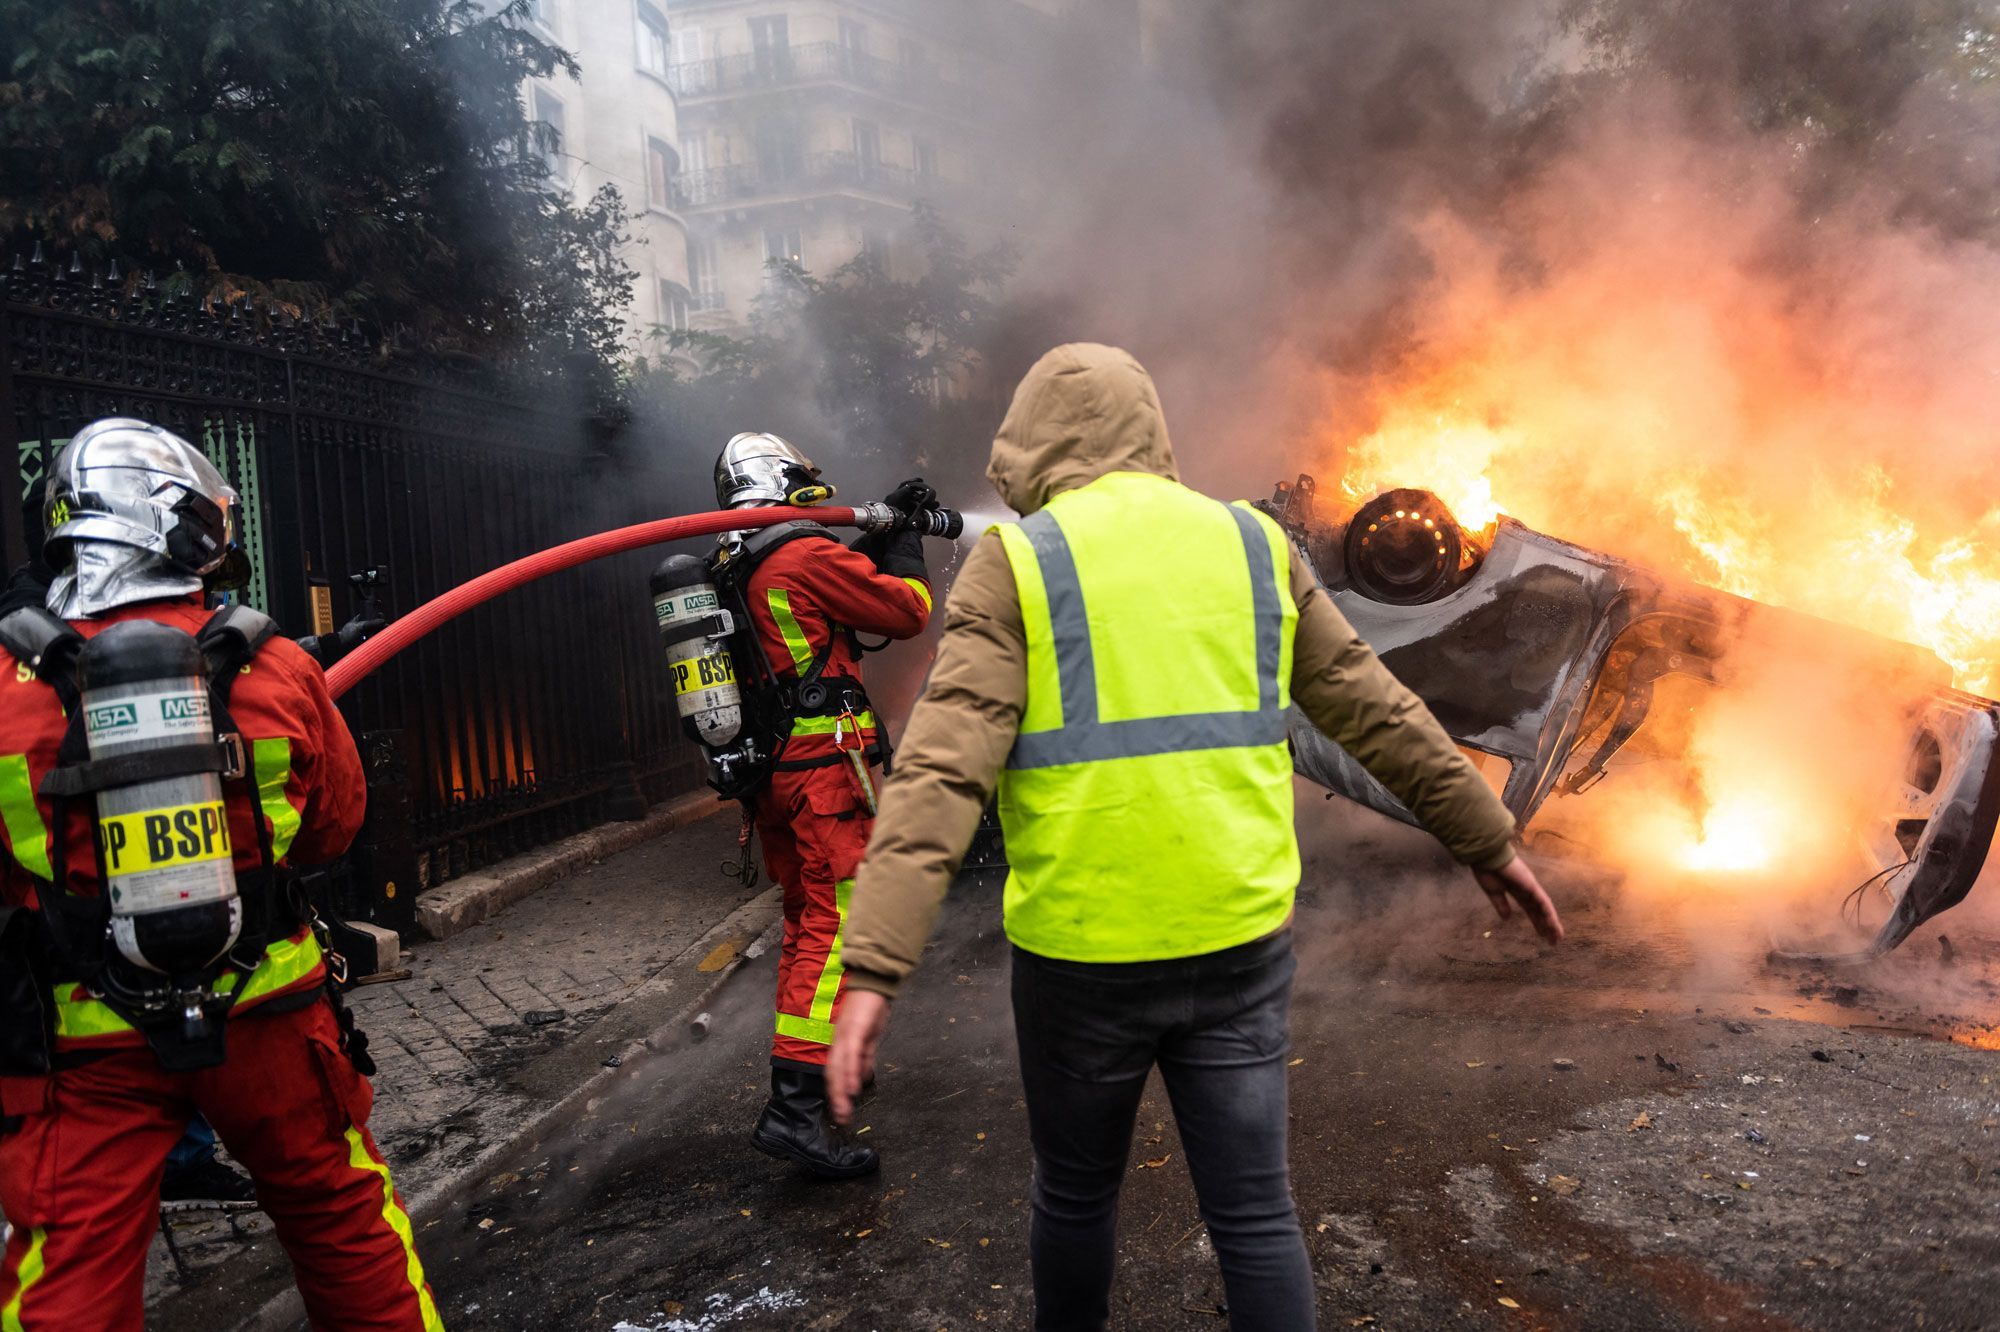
x=1545, y=656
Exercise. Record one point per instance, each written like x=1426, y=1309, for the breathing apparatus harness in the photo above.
x=161, y=826
x=732, y=699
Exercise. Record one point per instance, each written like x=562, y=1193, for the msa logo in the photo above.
x=189, y=707
x=110, y=717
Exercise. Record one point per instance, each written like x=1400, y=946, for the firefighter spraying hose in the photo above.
x=764, y=639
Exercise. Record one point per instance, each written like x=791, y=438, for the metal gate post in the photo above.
x=384, y=855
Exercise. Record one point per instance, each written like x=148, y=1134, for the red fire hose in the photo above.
x=363, y=661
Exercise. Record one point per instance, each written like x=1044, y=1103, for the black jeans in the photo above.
x=1216, y=1025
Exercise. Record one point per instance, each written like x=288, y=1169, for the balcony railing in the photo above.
x=814, y=62
x=814, y=172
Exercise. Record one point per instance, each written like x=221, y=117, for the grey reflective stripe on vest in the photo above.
x=1082, y=738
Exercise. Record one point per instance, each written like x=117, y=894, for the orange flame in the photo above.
x=1655, y=392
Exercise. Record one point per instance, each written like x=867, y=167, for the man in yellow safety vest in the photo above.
x=1119, y=663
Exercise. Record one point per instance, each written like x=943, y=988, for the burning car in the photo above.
x=1559, y=669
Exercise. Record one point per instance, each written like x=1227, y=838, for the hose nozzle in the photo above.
x=933, y=521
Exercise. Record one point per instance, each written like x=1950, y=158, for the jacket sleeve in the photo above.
x=327, y=786
x=852, y=591
x=957, y=741
x=1344, y=689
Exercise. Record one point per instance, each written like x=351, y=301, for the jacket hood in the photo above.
x=1083, y=410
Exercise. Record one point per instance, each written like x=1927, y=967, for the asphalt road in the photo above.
x=1650, y=1128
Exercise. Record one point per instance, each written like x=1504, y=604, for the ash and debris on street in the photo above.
x=1640, y=1130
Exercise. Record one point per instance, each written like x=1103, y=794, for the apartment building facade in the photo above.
x=619, y=124
x=809, y=129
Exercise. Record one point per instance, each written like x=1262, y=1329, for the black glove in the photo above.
x=903, y=556
x=326, y=649
x=912, y=495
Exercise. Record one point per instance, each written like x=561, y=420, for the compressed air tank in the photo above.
x=695, y=630
x=169, y=872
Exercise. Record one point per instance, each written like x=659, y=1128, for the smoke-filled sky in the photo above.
x=1704, y=283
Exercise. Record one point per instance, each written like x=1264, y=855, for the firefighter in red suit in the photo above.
x=96, y=1094
x=808, y=596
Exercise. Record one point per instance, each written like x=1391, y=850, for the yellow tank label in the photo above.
x=152, y=839
x=703, y=673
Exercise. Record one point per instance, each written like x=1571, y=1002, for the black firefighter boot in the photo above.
x=796, y=1126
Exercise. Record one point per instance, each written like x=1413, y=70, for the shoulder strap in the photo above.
x=762, y=542
x=232, y=636
x=47, y=645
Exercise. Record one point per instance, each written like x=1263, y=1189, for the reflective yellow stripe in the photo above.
x=30, y=1273
x=286, y=963
x=399, y=1221
x=795, y=639
x=829, y=979
x=923, y=590
x=805, y=1029
x=273, y=761
x=819, y=1027
x=26, y=832
x=825, y=725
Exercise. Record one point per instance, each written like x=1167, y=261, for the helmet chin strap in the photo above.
x=103, y=575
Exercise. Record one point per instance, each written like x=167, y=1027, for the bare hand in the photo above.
x=1516, y=885
x=857, y=1034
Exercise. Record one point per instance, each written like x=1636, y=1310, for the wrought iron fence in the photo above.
x=540, y=714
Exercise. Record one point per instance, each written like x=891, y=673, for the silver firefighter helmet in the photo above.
x=131, y=483
x=757, y=468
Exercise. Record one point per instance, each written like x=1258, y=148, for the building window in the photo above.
x=926, y=155
x=542, y=13
x=653, y=40
x=780, y=155
x=549, y=111
x=660, y=163
x=673, y=306
x=853, y=37
x=694, y=153
x=784, y=247
x=691, y=71
x=910, y=52
x=867, y=145
x=770, y=46
x=875, y=247
x=704, y=275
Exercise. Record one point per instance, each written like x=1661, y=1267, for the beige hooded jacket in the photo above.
x=1085, y=410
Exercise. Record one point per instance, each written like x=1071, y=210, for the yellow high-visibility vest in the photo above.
x=1147, y=803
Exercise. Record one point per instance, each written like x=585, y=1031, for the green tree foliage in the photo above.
x=361, y=157
x=877, y=371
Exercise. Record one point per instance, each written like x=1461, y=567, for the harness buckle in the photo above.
x=232, y=756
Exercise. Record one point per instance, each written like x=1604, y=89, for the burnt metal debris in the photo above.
x=1544, y=656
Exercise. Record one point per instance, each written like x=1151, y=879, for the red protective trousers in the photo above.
x=814, y=826
x=80, y=1181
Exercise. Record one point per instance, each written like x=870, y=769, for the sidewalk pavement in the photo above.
x=499, y=1023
